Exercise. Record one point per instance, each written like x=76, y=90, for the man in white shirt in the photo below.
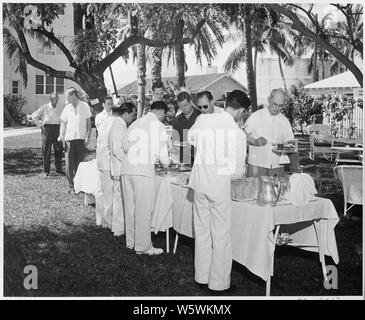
x=48, y=118
x=145, y=143
x=205, y=103
x=270, y=124
x=220, y=154
x=124, y=116
x=74, y=132
x=105, y=114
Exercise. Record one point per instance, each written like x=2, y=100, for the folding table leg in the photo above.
x=175, y=244
x=167, y=240
x=268, y=281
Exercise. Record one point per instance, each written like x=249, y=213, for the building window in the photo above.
x=15, y=87
x=47, y=84
x=60, y=85
x=39, y=84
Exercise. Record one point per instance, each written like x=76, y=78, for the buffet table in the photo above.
x=255, y=229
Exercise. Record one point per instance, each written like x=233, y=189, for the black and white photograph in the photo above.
x=182, y=150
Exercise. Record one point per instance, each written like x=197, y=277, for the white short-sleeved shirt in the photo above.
x=101, y=117
x=275, y=129
x=220, y=153
x=75, y=120
x=145, y=142
x=48, y=114
x=103, y=153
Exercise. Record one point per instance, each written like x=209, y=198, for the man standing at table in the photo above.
x=75, y=132
x=104, y=193
x=205, y=103
x=272, y=125
x=49, y=116
x=146, y=142
x=124, y=116
x=181, y=125
x=105, y=114
x=220, y=154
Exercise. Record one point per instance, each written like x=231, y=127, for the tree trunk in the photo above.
x=93, y=84
x=156, y=64
x=314, y=64
x=282, y=74
x=255, y=63
x=251, y=83
x=323, y=69
x=79, y=11
x=141, y=78
x=180, y=55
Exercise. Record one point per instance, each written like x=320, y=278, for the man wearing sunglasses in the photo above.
x=220, y=153
x=205, y=103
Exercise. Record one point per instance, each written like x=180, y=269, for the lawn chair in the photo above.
x=320, y=140
x=351, y=179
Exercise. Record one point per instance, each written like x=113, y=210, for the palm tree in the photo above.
x=141, y=78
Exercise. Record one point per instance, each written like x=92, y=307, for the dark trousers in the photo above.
x=50, y=133
x=74, y=154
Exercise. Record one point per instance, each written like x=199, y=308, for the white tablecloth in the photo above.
x=252, y=227
x=86, y=178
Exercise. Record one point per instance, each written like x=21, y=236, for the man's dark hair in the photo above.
x=206, y=93
x=108, y=98
x=238, y=99
x=157, y=84
x=174, y=103
x=159, y=105
x=183, y=96
x=128, y=107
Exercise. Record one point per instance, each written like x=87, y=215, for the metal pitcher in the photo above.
x=269, y=191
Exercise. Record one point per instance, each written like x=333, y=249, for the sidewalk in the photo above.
x=12, y=132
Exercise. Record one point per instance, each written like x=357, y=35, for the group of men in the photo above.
x=127, y=150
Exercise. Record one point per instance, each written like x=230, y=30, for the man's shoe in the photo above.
x=60, y=173
x=151, y=252
x=45, y=174
x=230, y=291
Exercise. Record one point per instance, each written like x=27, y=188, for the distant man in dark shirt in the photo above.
x=181, y=125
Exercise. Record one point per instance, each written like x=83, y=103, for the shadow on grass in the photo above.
x=27, y=161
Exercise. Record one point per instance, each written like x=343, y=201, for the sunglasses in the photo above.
x=203, y=107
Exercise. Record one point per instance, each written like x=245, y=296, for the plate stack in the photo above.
x=244, y=189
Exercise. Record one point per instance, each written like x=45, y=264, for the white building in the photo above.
x=40, y=85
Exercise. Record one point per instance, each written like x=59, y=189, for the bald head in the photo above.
x=53, y=97
x=276, y=101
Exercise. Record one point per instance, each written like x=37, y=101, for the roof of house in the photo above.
x=193, y=83
x=342, y=80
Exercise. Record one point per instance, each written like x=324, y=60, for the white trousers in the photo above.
x=138, y=198
x=104, y=199
x=118, y=211
x=213, y=251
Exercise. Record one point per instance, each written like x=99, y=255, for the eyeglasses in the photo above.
x=203, y=107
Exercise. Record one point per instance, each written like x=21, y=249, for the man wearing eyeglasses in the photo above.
x=205, y=103
x=272, y=125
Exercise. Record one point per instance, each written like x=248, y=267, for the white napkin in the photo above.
x=284, y=159
x=302, y=189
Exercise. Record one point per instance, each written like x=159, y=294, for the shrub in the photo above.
x=15, y=104
x=302, y=109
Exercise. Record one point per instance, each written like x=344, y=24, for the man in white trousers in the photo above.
x=220, y=154
x=105, y=114
x=145, y=143
x=104, y=194
x=124, y=116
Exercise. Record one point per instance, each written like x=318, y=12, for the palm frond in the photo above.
x=15, y=54
x=235, y=58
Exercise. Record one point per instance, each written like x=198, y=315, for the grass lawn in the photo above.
x=54, y=231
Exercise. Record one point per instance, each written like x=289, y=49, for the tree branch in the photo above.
x=299, y=26
x=132, y=40
x=39, y=65
x=59, y=44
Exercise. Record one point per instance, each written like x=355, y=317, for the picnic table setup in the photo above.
x=258, y=226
